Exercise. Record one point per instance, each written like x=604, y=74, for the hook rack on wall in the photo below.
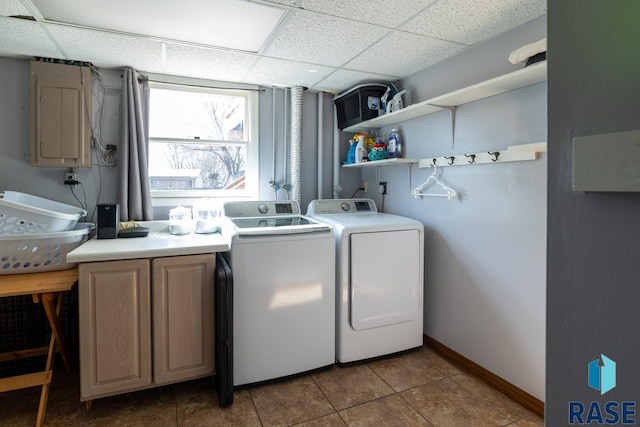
x=515, y=153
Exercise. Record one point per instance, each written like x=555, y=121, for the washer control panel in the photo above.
x=248, y=209
x=340, y=206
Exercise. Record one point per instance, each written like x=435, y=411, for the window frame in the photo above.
x=251, y=142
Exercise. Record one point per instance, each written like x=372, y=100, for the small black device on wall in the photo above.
x=108, y=221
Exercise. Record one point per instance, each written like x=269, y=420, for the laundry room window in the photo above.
x=203, y=142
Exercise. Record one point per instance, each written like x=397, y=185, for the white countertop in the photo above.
x=158, y=243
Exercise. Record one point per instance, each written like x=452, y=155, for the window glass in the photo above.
x=196, y=115
x=202, y=142
x=177, y=166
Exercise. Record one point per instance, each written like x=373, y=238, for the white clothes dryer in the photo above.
x=379, y=278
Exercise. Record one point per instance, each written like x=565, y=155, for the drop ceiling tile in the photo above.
x=13, y=7
x=472, y=21
x=108, y=49
x=207, y=63
x=280, y=72
x=19, y=37
x=403, y=54
x=232, y=24
x=319, y=39
x=387, y=13
x=343, y=79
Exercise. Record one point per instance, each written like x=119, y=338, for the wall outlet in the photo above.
x=71, y=178
x=364, y=186
x=382, y=187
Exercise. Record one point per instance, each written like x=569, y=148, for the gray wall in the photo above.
x=485, y=252
x=593, y=296
x=17, y=174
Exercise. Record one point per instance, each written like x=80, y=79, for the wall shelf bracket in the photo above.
x=452, y=112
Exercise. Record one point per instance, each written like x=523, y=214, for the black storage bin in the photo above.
x=352, y=106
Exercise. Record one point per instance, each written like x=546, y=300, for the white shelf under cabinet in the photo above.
x=386, y=162
x=530, y=75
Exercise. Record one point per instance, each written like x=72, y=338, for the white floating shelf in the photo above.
x=530, y=75
x=377, y=163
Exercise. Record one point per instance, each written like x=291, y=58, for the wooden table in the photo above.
x=46, y=288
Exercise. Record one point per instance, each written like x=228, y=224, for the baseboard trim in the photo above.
x=470, y=367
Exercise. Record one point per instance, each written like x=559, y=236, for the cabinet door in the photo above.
x=60, y=109
x=115, y=330
x=183, y=317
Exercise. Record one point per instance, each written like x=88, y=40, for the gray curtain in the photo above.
x=134, y=195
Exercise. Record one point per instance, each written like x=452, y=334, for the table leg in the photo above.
x=54, y=321
x=33, y=284
x=44, y=395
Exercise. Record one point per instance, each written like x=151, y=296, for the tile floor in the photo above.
x=412, y=389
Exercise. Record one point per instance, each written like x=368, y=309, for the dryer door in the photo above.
x=385, y=278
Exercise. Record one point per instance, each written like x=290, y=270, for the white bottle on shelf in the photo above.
x=361, y=151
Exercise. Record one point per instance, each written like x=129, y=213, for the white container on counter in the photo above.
x=206, y=219
x=180, y=220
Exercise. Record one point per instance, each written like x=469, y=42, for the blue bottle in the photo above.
x=351, y=155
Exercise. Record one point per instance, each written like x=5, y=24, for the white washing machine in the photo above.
x=379, y=278
x=283, y=267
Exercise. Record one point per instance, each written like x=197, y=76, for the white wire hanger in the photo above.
x=450, y=193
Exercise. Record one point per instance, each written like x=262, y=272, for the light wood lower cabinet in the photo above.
x=115, y=327
x=183, y=318
x=145, y=323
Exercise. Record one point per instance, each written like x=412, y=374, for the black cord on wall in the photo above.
x=356, y=192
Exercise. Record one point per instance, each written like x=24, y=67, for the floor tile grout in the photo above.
x=255, y=408
x=399, y=394
x=328, y=400
x=195, y=403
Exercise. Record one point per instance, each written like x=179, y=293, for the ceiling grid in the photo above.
x=326, y=45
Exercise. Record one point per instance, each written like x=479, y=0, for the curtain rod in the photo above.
x=202, y=86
